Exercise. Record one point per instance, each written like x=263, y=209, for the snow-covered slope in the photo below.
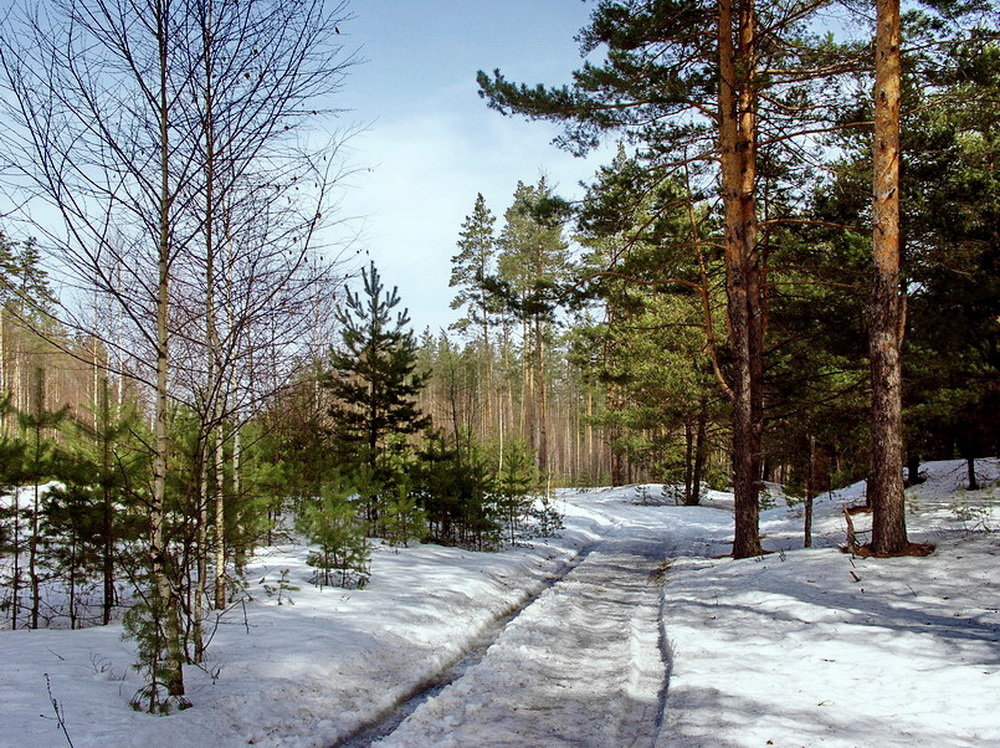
x=800, y=647
x=817, y=647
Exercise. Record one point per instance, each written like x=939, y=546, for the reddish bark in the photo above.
x=886, y=309
x=737, y=146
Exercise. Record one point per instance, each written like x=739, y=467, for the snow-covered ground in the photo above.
x=570, y=641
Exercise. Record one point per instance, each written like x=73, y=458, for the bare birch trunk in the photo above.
x=237, y=457
x=172, y=667
x=217, y=468
x=201, y=563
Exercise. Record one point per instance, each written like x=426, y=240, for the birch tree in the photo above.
x=154, y=130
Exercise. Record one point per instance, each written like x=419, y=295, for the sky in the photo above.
x=430, y=144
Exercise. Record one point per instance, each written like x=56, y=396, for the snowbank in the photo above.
x=800, y=647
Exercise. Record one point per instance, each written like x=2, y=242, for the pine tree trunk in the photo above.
x=810, y=494
x=541, y=409
x=970, y=465
x=17, y=383
x=700, y=451
x=527, y=388
x=488, y=405
x=593, y=464
x=912, y=469
x=737, y=136
x=886, y=310
x=4, y=414
x=688, y=462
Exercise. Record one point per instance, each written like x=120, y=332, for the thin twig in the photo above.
x=57, y=709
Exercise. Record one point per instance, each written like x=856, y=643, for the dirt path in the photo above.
x=584, y=664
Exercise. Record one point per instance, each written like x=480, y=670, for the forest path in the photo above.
x=584, y=664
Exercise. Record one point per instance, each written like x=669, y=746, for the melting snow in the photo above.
x=798, y=647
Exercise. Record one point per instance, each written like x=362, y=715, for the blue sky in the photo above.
x=431, y=143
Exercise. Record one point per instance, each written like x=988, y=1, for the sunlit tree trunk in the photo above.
x=237, y=487
x=173, y=674
x=886, y=305
x=737, y=141
x=197, y=603
x=218, y=469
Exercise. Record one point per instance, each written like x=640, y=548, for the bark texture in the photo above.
x=737, y=145
x=886, y=309
x=173, y=674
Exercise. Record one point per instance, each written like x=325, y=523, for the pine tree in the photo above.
x=885, y=306
x=374, y=384
x=470, y=269
x=13, y=459
x=332, y=522
x=940, y=68
x=656, y=347
x=533, y=265
x=723, y=83
x=112, y=467
x=474, y=263
x=952, y=214
x=41, y=464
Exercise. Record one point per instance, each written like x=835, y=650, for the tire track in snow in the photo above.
x=387, y=721
x=584, y=664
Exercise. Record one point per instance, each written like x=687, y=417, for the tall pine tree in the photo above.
x=533, y=265
x=474, y=263
x=725, y=84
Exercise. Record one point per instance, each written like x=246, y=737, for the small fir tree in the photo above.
x=404, y=519
x=333, y=523
x=145, y=624
x=374, y=384
x=511, y=493
x=453, y=488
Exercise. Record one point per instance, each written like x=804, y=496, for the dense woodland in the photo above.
x=192, y=368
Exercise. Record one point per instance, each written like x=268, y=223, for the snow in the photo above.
x=571, y=641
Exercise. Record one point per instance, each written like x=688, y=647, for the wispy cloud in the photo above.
x=419, y=179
